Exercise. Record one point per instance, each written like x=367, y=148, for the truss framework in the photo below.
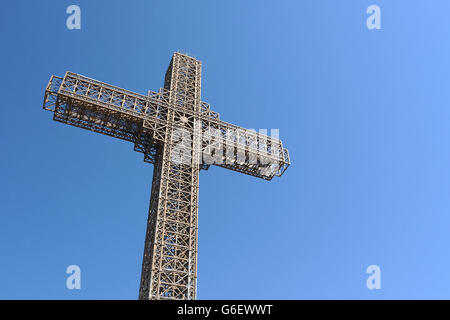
x=180, y=135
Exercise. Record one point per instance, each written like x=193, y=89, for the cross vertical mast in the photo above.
x=169, y=269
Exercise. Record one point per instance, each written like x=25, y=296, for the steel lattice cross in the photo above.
x=180, y=135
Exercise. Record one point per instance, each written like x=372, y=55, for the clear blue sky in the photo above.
x=365, y=115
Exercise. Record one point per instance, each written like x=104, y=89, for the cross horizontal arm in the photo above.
x=242, y=150
x=142, y=119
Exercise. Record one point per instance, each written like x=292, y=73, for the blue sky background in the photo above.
x=365, y=115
